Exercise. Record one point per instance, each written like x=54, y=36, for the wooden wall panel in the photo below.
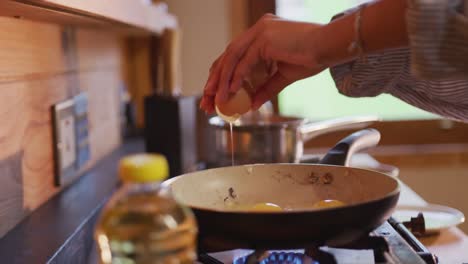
x=40, y=65
x=31, y=50
x=98, y=50
x=102, y=88
x=27, y=130
x=28, y=50
x=34, y=136
x=11, y=196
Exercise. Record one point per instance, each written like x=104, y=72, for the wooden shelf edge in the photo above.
x=128, y=16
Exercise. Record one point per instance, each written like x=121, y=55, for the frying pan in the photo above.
x=370, y=198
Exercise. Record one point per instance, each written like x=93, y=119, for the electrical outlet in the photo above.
x=64, y=141
x=83, y=151
x=71, y=138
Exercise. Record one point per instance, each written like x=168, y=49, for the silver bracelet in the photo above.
x=357, y=44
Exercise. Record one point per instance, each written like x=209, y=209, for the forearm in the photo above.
x=383, y=26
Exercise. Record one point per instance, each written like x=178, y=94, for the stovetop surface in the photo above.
x=389, y=243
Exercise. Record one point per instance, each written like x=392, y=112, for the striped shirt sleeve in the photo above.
x=432, y=73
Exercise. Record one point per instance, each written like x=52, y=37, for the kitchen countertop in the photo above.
x=451, y=245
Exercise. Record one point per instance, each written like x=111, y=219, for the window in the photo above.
x=317, y=97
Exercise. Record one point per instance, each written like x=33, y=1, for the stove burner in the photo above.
x=390, y=243
x=263, y=257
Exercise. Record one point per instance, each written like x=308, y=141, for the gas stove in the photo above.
x=389, y=243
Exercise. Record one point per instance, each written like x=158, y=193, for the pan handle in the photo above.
x=341, y=153
x=310, y=130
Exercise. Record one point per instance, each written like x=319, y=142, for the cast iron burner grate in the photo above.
x=390, y=243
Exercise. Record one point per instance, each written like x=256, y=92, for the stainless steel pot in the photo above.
x=272, y=138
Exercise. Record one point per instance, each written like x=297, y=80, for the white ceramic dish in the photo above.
x=436, y=217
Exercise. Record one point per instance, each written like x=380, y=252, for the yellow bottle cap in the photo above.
x=141, y=168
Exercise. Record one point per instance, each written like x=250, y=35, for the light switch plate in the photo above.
x=63, y=117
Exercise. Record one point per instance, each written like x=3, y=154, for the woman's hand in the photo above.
x=287, y=45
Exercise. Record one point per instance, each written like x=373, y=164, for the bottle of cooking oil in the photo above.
x=142, y=223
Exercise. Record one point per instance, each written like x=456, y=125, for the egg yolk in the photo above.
x=236, y=106
x=328, y=203
x=265, y=207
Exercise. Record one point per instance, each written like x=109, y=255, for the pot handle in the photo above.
x=341, y=153
x=313, y=129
